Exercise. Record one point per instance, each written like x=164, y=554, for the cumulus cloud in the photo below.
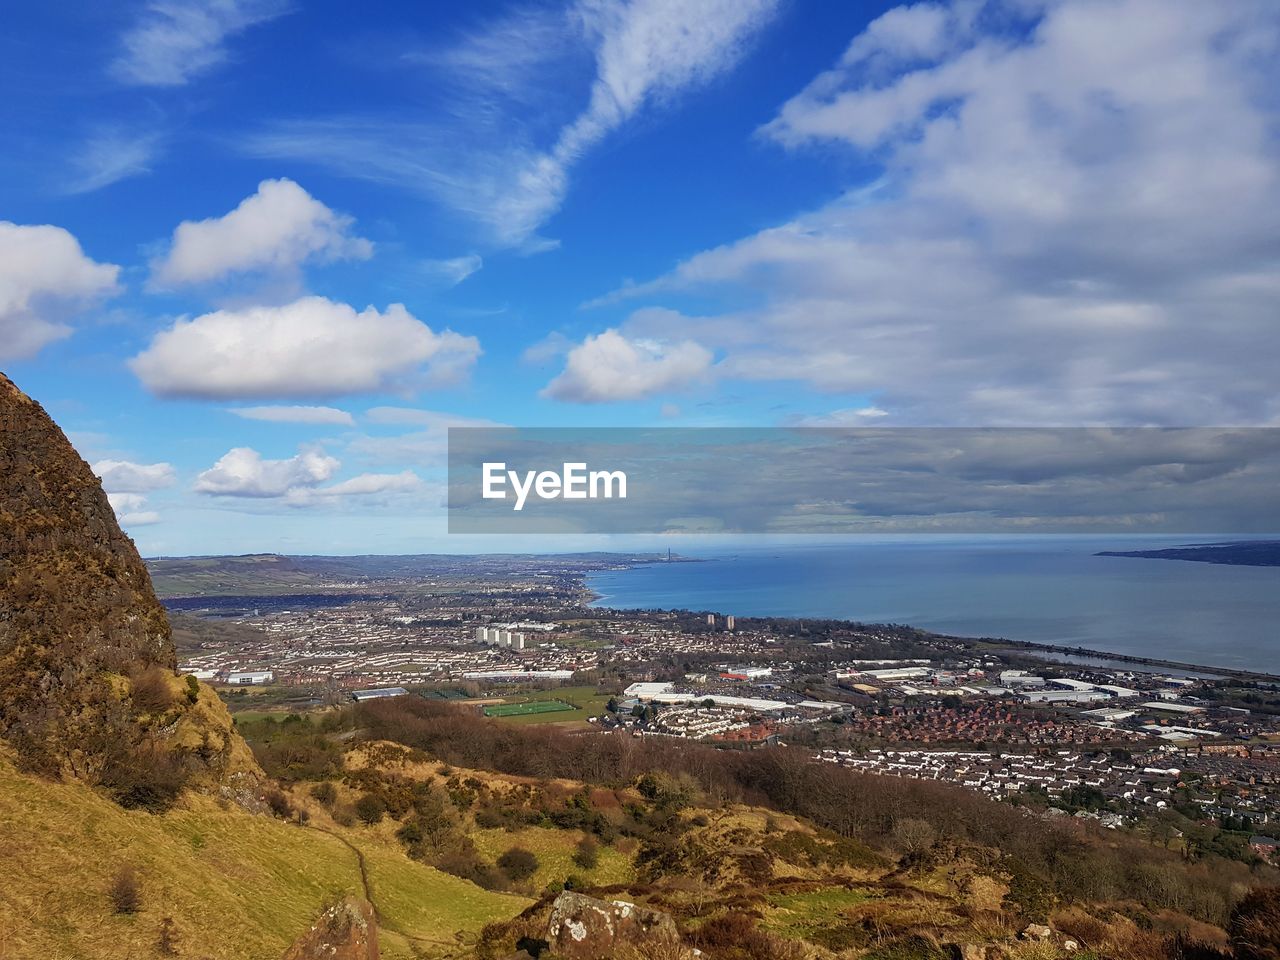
x=176, y=40
x=44, y=278
x=609, y=366
x=1074, y=221
x=298, y=481
x=497, y=165
x=312, y=347
x=279, y=227
x=128, y=483
x=125, y=477
x=130, y=512
x=296, y=414
x=242, y=472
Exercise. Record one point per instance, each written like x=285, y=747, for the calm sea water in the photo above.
x=1046, y=590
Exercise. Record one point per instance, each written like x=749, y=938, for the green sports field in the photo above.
x=524, y=709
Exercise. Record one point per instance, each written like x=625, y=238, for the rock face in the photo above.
x=87, y=664
x=584, y=928
x=347, y=930
x=74, y=587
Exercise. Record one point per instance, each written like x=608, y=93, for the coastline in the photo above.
x=998, y=644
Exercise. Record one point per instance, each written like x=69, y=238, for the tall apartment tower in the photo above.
x=728, y=622
x=711, y=619
x=482, y=634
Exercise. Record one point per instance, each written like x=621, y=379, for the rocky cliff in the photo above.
x=87, y=665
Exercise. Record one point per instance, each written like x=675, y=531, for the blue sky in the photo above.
x=256, y=255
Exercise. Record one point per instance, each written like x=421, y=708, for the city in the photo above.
x=1128, y=745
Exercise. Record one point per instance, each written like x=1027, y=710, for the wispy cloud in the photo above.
x=112, y=155
x=495, y=163
x=176, y=40
x=453, y=270
x=296, y=414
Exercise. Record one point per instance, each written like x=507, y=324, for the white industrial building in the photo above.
x=646, y=691
x=378, y=693
x=250, y=678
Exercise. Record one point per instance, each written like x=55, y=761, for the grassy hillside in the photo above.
x=236, y=886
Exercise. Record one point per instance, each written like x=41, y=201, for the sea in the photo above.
x=1052, y=590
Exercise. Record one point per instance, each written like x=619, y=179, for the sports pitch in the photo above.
x=524, y=709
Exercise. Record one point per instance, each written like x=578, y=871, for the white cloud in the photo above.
x=44, y=278
x=112, y=155
x=312, y=347
x=125, y=502
x=129, y=510
x=454, y=270
x=367, y=486
x=241, y=472
x=296, y=414
x=143, y=518
x=124, y=477
x=609, y=366
x=1075, y=221
x=297, y=481
x=176, y=40
x=279, y=227
x=497, y=164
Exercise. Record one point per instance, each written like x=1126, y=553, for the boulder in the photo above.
x=1036, y=931
x=346, y=930
x=585, y=928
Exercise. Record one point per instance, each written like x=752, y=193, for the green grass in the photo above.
x=237, y=886
x=554, y=850
x=804, y=915
x=567, y=705
x=523, y=709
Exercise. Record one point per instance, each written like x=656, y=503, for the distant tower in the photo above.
x=728, y=622
x=711, y=619
x=668, y=554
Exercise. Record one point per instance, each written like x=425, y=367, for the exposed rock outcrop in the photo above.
x=585, y=928
x=346, y=930
x=88, y=686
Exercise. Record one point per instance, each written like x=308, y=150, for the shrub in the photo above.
x=1255, y=925
x=279, y=804
x=143, y=776
x=587, y=856
x=193, y=689
x=326, y=793
x=371, y=808
x=167, y=942
x=126, y=891
x=518, y=864
x=150, y=690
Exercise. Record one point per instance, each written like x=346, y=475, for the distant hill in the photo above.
x=1246, y=553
